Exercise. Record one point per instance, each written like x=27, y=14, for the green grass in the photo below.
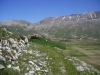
x=9, y=72
x=56, y=59
x=5, y=34
x=59, y=58
x=48, y=42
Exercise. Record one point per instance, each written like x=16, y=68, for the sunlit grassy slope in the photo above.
x=56, y=58
x=48, y=42
x=58, y=62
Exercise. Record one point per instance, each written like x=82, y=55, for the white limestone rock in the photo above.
x=80, y=68
x=2, y=59
x=45, y=71
x=13, y=62
x=7, y=48
x=9, y=66
x=37, y=68
x=26, y=40
x=14, y=51
x=30, y=52
x=31, y=72
x=25, y=51
x=1, y=67
x=22, y=42
x=5, y=42
x=19, y=50
x=16, y=68
x=14, y=45
x=11, y=40
x=31, y=62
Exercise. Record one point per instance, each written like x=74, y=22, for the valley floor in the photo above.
x=75, y=60
x=86, y=50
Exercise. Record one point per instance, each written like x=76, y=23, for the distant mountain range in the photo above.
x=86, y=25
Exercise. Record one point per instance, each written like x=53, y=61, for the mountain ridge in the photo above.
x=81, y=25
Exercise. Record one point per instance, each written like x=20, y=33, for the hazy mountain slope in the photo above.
x=81, y=25
x=18, y=26
x=84, y=25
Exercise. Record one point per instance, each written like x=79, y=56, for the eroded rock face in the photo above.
x=11, y=49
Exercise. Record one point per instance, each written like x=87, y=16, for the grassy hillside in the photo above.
x=63, y=62
x=45, y=57
x=85, y=29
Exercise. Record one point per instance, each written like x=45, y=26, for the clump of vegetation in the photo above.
x=48, y=42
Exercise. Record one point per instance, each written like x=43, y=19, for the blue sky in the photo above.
x=36, y=10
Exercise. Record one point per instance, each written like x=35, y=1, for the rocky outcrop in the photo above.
x=11, y=49
x=16, y=55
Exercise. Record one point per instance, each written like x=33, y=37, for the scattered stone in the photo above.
x=9, y=66
x=16, y=68
x=31, y=72
x=14, y=51
x=27, y=68
x=25, y=51
x=2, y=59
x=37, y=68
x=1, y=67
x=31, y=62
x=14, y=45
x=80, y=68
x=26, y=41
x=45, y=71
x=13, y=62
x=30, y=52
